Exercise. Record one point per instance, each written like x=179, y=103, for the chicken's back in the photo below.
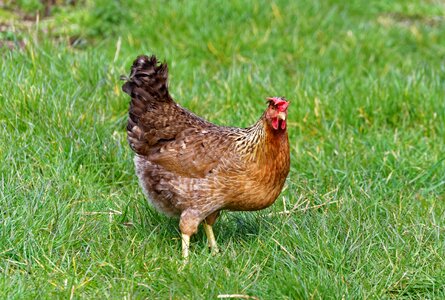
x=154, y=118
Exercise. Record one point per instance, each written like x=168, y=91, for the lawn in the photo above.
x=362, y=214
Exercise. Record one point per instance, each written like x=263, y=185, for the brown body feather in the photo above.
x=192, y=168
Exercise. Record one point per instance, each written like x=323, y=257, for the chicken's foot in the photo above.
x=211, y=238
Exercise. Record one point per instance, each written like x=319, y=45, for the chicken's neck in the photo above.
x=261, y=142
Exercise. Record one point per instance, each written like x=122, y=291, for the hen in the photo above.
x=191, y=168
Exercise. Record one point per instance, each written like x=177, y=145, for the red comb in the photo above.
x=281, y=103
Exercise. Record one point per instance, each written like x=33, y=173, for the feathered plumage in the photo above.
x=191, y=168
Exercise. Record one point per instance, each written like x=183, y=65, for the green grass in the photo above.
x=366, y=124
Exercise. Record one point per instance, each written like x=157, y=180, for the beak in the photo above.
x=281, y=116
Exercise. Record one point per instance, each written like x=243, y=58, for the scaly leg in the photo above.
x=208, y=223
x=185, y=245
x=211, y=238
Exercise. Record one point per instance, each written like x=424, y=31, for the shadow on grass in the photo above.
x=241, y=226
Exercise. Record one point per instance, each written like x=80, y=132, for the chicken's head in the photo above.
x=276, y=113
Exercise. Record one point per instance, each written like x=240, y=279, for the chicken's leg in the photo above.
x=188, y=224
x=208, y=223
x=211, y=238
x=185, y=245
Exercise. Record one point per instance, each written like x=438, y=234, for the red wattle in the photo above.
x=283, y=124
x=275, y=123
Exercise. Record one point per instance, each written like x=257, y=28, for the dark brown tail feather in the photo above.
x=147, y=74
x=146, y=84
